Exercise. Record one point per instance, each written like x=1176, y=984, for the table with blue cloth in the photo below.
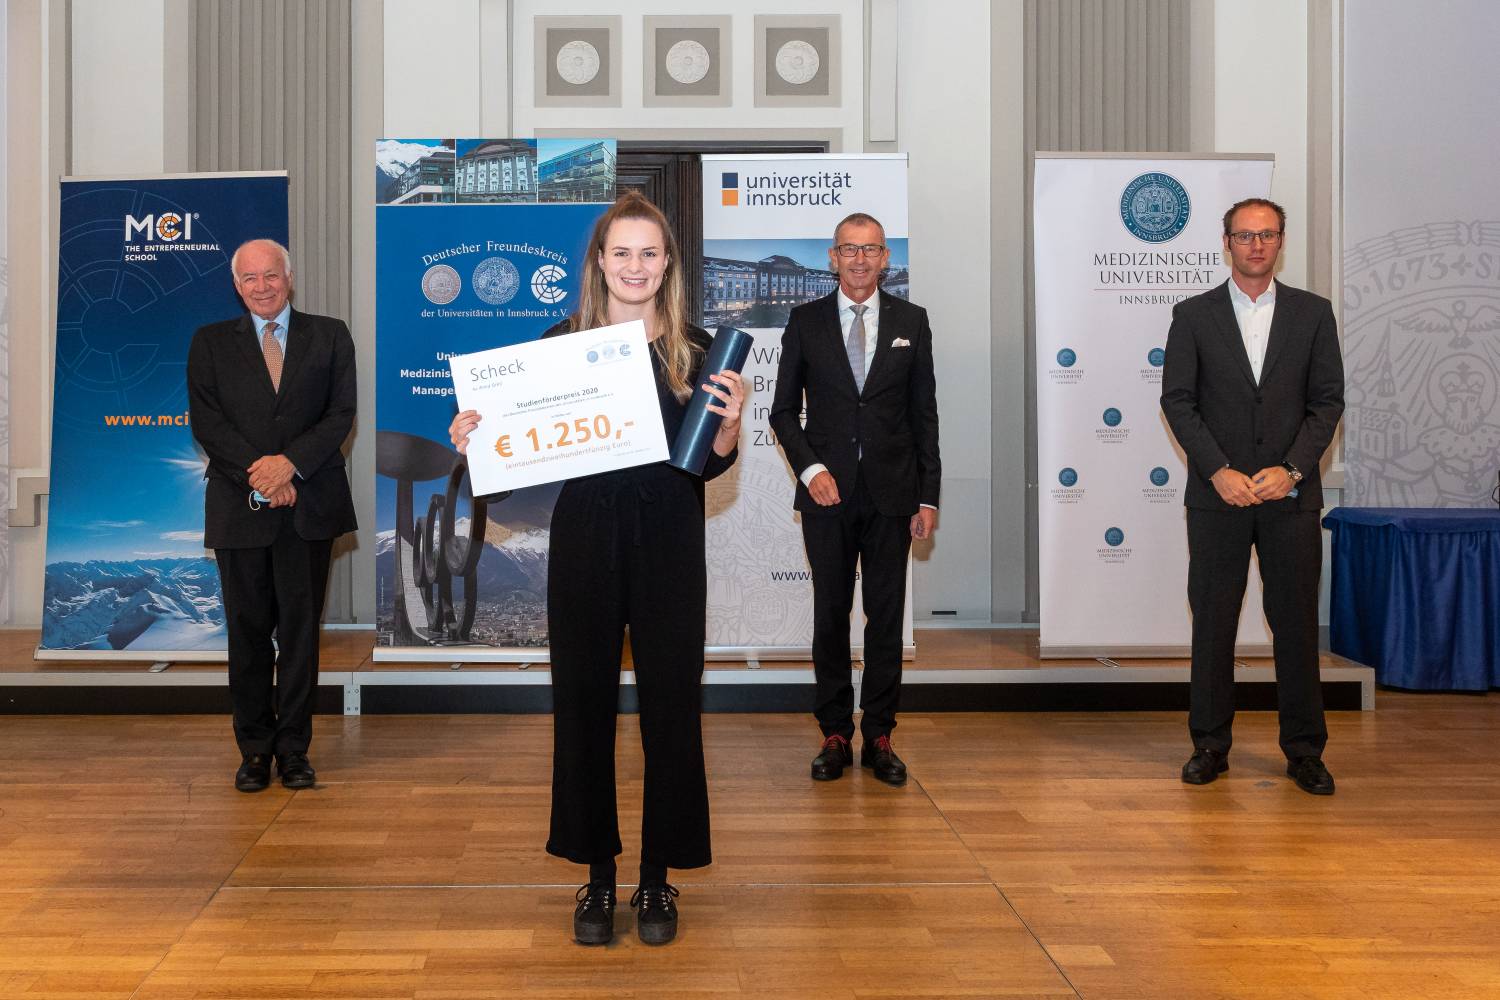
x=1416, y=595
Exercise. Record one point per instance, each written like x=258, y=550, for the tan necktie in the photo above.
x=272, y=350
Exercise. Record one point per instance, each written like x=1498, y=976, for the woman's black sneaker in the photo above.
x=594, y=918
x=656, y=916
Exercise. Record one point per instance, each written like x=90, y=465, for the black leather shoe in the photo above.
x=594, y=919
x=656, y=914
x=254, y=774
x=295, y=771
x=1310, y=775
x=883, y=760
x=1204, y=766
x=831, y=760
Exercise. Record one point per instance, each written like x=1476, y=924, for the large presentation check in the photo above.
x=561, y=407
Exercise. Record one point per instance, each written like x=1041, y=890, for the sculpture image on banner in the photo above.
x=768, y=223
x=496, y=264
x=142, y=263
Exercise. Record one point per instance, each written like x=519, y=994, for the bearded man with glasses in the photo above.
x=868, y=477
x=1253, y=387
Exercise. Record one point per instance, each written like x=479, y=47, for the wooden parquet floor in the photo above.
x=1031, y=855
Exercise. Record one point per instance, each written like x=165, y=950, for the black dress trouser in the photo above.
x=1290, y=547
x=627, y=549
x=855, y=532
x=274, y=588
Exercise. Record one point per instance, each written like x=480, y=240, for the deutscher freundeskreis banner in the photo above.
x=479, y=244
x=1119, y=241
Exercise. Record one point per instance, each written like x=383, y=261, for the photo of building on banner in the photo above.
x=493, y=262
x=142, y=263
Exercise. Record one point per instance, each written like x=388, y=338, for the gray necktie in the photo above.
x=855, y=346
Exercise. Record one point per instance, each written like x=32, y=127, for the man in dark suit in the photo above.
x=271, y=398
x=1253, y=388
x=868, y=479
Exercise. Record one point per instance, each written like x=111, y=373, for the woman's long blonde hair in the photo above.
x=672, y=346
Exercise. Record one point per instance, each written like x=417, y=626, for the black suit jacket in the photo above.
x=1221, y=416
x=238, y=417
x=893, y=423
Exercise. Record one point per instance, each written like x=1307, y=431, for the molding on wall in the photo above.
x=27, y=487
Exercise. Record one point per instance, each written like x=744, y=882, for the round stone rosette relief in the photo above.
x=578, y=62
x=797, y=62
x=688, y=61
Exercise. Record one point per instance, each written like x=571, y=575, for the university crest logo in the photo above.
x=1154, y=207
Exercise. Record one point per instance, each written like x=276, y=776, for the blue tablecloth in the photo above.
x=1416, y=595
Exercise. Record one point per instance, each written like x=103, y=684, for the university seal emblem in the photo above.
x=1154, y=207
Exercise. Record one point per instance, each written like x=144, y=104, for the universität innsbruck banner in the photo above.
x=1119, y=240
x=768, y=222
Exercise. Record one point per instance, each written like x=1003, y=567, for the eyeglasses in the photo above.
x=1269, y=237
x=854, y=249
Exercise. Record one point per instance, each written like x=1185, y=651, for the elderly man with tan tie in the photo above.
x=271, y=397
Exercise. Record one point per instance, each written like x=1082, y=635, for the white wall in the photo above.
x=424, y=42
x=118, y=86
x=36, y=88
x=4, y=327
x=1260, y=104
x=948, y=142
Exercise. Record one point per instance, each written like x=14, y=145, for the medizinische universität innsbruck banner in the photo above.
x=1119, y=241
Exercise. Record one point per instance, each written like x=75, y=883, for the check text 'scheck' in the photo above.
x=562, y=407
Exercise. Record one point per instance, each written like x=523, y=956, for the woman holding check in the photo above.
x=627, y=549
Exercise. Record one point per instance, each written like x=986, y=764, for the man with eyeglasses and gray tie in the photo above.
x=271, y=397
x=868, y=476
x=1253, y=387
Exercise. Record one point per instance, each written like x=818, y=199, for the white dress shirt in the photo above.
x=1254, y=318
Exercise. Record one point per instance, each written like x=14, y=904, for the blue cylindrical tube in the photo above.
x=728, y=352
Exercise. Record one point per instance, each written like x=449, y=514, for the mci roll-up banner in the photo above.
x=479, y=244
x=142, y=263
x=768, y=223
x=1120, y=240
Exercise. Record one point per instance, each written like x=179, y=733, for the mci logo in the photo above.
x=730, y=182
x=168, y=227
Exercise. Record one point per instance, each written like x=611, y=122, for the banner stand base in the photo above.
x=511, y=690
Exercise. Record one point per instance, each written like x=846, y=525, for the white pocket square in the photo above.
x=900, y=342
